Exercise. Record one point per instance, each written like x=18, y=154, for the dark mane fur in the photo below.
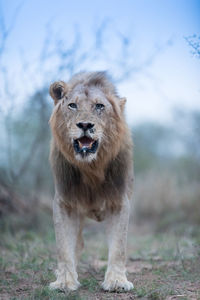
x=75, y=192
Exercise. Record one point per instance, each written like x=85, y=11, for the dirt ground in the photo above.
x=161, y=265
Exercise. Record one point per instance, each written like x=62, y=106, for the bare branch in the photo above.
x=194, y=42
x=6, y=30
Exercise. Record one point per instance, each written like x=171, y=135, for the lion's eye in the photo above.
x=99, y=106
x=72, y=106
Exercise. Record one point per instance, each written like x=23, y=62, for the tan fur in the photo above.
x=99, y=185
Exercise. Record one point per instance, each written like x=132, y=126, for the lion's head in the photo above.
x=87, y=121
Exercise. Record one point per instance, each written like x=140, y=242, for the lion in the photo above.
x=91, y=158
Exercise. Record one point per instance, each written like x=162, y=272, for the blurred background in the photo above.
x=152, y=51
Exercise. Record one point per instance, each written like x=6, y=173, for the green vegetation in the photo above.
x=159, y=265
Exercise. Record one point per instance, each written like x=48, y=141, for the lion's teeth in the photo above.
x=90, y=145
x=80, y=145
x=85, y=145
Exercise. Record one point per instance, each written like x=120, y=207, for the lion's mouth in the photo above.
x=85, y=145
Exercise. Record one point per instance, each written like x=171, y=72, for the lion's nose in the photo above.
x=85, y=126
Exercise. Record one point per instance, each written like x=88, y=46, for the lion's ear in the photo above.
x=122, y=102
x=57, y=90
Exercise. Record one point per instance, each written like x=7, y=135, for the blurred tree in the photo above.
x=189, y=162
x=194, y=43
x=154, y=145
x=24, y=128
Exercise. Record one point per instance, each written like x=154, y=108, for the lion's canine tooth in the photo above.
x=90, y=145
x=80, y=145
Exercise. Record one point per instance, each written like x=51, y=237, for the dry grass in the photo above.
x=160, y=193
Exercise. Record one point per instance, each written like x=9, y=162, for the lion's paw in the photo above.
x=117, y=283
x=63, y=285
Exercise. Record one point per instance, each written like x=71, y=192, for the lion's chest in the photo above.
x=92, y=199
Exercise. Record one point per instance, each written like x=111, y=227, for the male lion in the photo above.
x=91, y=158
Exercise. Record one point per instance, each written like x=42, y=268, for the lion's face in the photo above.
x=86, y=114
x=85, y=122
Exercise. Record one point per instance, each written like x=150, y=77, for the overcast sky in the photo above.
x=171, y=81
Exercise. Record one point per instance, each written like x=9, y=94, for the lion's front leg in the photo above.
x=117, y=229
x=67, y=231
